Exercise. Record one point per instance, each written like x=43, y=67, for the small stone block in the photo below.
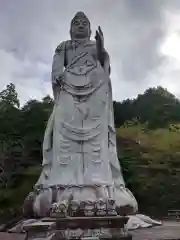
x=39, y=226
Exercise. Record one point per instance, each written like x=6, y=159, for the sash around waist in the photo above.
x=85, y=88
x=79, y=133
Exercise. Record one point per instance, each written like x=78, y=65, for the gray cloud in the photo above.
x=140, y=33
x=30, y=31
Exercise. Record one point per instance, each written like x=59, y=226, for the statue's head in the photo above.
x=80, y=27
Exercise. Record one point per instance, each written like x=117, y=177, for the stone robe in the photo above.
x=79, y=148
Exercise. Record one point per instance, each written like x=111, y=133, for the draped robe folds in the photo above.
x=79, y=148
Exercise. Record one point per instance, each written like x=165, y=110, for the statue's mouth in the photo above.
x=81, y=29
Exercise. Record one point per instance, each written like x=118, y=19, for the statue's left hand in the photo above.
x=100, y=38
x=100, y=45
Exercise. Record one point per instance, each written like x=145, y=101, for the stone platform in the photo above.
x=106, y=227
x=88, y=222
x=170, y=230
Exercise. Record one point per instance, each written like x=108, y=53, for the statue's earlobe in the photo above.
x=71, y=33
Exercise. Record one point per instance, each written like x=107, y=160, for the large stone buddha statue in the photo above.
x=80, y=163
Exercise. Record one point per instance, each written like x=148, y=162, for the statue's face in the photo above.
x=80, y=27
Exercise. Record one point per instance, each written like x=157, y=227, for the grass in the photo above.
x=160, y=139
x=151, y=158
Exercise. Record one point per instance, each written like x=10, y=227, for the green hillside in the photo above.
x=151, y=163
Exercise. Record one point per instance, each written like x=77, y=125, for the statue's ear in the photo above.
x=90, y=32
x=70, y=32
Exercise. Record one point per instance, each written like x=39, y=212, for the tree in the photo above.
x=10, y=96
x=156, y=106
x=34, y=117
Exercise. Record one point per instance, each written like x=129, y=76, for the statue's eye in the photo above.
x=84, y=22
x=76, y=22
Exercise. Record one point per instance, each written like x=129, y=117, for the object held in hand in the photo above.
x=60, y=79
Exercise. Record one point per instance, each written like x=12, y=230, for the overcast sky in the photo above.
x=141, y=36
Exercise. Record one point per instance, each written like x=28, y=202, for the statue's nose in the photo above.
x=81, y=28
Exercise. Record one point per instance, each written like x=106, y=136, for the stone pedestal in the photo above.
x=86, y=228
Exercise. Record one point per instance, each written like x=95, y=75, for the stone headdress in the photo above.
x=80, y=15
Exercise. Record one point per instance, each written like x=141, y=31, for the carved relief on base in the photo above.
x=75, y=201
